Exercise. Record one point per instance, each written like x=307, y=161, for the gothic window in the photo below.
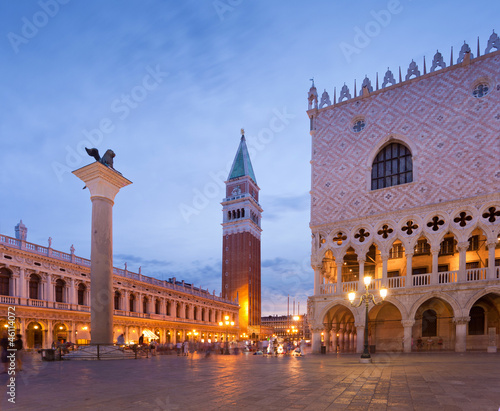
x=59, y=291
x=392, y=166
x=4, y=281
x=429, y=323
x=480, y=90
x=476, y=323
x=81, y=294
x=34, y=286
x=117, y=300
x=422, y=247
x=447, y=246
x=473, y=243
x=396, y=251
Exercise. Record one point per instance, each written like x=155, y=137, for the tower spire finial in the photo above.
x=312, y=79
x=242, y=131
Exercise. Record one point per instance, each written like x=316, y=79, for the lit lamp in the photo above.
x=366, y=298
x=226, y=323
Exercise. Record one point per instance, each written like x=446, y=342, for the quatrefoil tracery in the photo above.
x=409, y=227
x=492, y=214
x=339, y=238
x=463, y=219
x=385, y=231
x=435, y=223
x=361, y=234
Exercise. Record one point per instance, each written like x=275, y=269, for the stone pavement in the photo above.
x=419, y=381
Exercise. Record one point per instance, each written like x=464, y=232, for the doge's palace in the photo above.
x=406, y=189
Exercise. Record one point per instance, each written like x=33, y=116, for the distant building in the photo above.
x=291, y=327
x=406, y=189
x=50, y=291
x=241, y=242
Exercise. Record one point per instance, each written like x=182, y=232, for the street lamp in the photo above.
x=366, y=297
x=227, y=323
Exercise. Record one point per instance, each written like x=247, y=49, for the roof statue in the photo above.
x=107, y=158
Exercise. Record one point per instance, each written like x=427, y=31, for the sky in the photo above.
x=167, y=85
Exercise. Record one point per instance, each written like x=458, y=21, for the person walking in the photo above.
x=4, y=343
x=18, y=345
x=185, y=347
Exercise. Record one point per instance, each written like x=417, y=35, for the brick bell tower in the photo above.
x=241, y=241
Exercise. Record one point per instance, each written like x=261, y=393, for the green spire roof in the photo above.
x=242, y=166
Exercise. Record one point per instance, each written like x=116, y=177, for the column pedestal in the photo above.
x=103, y=183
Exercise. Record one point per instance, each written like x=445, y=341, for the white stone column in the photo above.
x=409, y=271
x=491, y=261
x=22, y=282
x=385, y=258
x=103, y=183
x=408, y=329
x=339, y=275
x=361, y=262
x=49, y=337
x=461, y=333
x=360, y=332
x=327, y=339
x=434, y=269
x=462, y=250
x=73, y=295
x=316, y=339
x=49, y=289
x=334, y=339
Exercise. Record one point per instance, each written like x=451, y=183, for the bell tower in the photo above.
x=241, y=240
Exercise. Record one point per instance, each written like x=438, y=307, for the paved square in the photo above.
x=419, y=381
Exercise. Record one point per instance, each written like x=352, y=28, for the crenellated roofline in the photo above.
x=465, y=58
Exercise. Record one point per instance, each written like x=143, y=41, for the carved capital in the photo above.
x=317, y=328
x=491, y=244
x=409, y=254
x=435, y=250
x=461, y=320
x=463, y=246
x=384, y=256
x=408, y=323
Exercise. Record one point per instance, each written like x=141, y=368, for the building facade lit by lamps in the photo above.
x=405, y=188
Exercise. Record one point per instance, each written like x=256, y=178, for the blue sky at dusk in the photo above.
x=168, y=85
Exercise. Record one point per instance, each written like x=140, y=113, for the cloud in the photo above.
x=280, y=207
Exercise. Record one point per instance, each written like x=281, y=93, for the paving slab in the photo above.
x=417, y=381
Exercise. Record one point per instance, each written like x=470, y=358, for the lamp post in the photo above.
x=227, y=323
x=366, y=298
